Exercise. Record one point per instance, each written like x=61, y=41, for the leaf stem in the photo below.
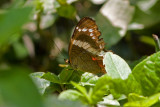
x=157, y=43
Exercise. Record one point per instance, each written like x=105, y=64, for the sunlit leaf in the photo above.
x=147, y=73
x=42, y=84
x=70, y=94
x=51, y=101
x=99, y=90
x=147, y=102
x=115, y=66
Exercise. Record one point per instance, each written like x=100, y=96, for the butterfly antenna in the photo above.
x=53, y=50
x=77, y=18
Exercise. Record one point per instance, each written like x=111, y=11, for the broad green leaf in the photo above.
x=70, y=95
x=42, y=84
x=51, y=77
x=115, y=66
x=99, y=90
x=147, y=102
x=119, y=87
x=67, y=11
x=147, y=74
x=12, y=21
x=17, y=89
x=53, y=101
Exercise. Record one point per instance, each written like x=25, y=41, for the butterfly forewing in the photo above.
x=85, y=47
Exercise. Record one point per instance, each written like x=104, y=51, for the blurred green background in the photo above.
x=34, y=36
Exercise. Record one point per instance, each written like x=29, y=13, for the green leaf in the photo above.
x=80, y=88
x=109, y=101
x=99, y=90
x=70, y=95
x=42, y=84
x=17, y=89
x=147, y=73
x=119, y=87
x=76, y=76
x=115, y=66
x=65, y=75
x=135, y=97
x=51, y=77
x=85, y=97
x=51, y=101
x=67, y=11
x=12, y=21
x=147, y=102
x=53, y=88
x=88, y=79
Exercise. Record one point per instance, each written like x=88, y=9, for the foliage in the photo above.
x=32, y=34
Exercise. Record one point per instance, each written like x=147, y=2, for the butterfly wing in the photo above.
x=85, y=48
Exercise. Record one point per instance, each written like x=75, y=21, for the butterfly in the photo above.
x=85, y=49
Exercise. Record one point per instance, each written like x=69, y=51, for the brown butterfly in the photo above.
x=86, y=49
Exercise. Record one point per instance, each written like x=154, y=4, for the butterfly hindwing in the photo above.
x=85, y=47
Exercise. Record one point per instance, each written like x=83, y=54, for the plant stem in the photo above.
x=157, y=43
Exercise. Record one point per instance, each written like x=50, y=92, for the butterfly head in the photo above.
x=67, y=61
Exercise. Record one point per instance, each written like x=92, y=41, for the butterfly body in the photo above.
x=86, y=49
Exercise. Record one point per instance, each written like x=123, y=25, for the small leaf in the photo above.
x=80, y=88
x=109, y=101
x=147, y=102
x=51, y=77
x=135, y=97
x=115, y=66
x=76, y=76
x=53, y=101
x=67, y=11
x=65, y=75
x=88, y=79
x=99, y=90
x=70, y=95
x=42, y=84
